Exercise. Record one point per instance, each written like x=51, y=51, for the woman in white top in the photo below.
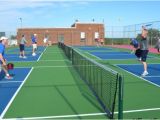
x=45, y=41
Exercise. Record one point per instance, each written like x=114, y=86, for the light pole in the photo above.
x=20, y=21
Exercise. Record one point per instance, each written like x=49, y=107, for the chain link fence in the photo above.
x=134, y=31
x=12, y=37
x=117, y=35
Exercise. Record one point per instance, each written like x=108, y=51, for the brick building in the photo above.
x=77, y=34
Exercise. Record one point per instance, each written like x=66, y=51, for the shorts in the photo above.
x=144, y=54
x=138, y=53
x=34, y=46
x=21, y=47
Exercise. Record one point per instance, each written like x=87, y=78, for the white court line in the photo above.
x=11, y=82
x=140, y=110
x=15, y=94
x=41, y=60
x=151, y=76
x=59, y=66
x=106, y=59
x=137, y=76
x=93, y=56
x=42, y=54
x=60, y=116
x=22, y=61
x=118, y=59
x=18, y=57
x=82, y=115
x=53, y=52
x=151, y=57
x=54, y=66
x=54, y=60
x=110, y=54
x=138, y=64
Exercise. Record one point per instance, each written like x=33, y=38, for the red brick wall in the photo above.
x=71, y=35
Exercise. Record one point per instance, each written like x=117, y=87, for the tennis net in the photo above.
x=66, y=49
x=105, y=83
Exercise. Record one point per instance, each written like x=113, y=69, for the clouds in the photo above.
x=19, y=4
x=16, y=5
x=30, y=10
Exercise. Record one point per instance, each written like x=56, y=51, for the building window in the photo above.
x=61, y=38
x=96, y=36
x=83, y=36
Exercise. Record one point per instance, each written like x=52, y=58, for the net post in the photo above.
x=120, y=97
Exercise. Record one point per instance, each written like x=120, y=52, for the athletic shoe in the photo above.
x=20, y=56
x=8, y=77
x=34, y=54
x=139, y=59
x=24, y=57
x=144, y=73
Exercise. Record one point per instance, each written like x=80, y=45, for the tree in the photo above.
x=153, y=34
x=13, y=37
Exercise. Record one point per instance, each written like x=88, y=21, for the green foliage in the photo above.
x=152, y=35
x=13, y=37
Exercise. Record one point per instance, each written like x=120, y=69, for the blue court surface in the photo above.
x=9, y=87
x=93, y=48
x=153, y=70
x=15, y=57
x=27, y=49
x=12, y=56
x=114, y=55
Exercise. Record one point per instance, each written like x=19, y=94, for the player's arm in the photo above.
x=144, y=32
x=2, y=59
x=25, y=40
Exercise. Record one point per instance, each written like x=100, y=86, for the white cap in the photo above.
x=35, y=34
x=3, y=38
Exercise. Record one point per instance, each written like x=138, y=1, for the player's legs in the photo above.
x=34, y=49
x=144, y=57
x=20, y=54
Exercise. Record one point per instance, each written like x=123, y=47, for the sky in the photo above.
x=51, y=13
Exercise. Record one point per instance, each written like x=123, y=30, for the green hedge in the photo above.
x=117, y=41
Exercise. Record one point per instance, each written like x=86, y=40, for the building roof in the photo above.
x=83, y=23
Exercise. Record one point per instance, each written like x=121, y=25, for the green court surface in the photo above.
x=141, y=99
x=55, y=90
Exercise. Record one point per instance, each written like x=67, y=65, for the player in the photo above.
x=102, y=41
x=34, y=44
x=144, y=49
x=3, y=62
x=134, y=43
x=45, y=41
x=22, y=47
